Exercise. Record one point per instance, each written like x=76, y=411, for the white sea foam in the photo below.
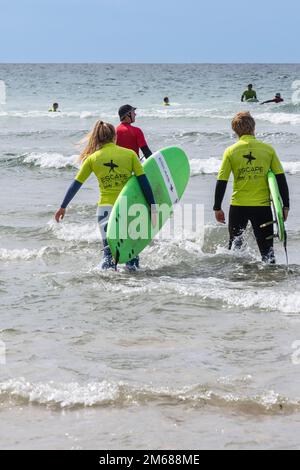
x=64, y=395
x=71, y=395
x=212, y=165
x=25, y=254
x=70, y=232
x=279, y=118
x=52, y=160
x=58, y=115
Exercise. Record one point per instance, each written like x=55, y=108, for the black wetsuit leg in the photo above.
x=238, y=221
x=259, y=216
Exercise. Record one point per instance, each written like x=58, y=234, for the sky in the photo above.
x=156, y=31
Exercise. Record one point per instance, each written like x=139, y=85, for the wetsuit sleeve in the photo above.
x=225, y=170
x=141, y=141
x=85, y=171
x=137, y=167
x=146, y=151
x=283, y=189
x=73, y=189
x=147, y=190
x=219, y=194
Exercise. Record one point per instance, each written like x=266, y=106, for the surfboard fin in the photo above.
x=285, y=249
x=267, y=224
x=117, y=259
x=272, y=237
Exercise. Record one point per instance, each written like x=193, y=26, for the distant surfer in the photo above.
x=113, y=166
x=278, y=99
x=166, y=101
x=128, y=136
x=249, y=94
x=250, y=161
x=54, y=108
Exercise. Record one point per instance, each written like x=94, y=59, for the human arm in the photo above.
x=219, y=196
x=221, y=186
x=269, y=101
x=278, y=170
x=81, y=177
x=142, y=144
x=72, y=191
x=145, y=187
x=146, y=151
x=284, y=193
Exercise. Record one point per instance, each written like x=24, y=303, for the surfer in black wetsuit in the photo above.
x=250, y=161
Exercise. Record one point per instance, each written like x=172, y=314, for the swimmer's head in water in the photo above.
x=166, y=100
x=55, y=106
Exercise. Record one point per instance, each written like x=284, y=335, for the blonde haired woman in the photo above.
x=113, y=167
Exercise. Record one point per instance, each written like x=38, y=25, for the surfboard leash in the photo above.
x=285, y=248
x=117, y=259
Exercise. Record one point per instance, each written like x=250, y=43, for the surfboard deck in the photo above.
x=128, y=234
x=277, y=205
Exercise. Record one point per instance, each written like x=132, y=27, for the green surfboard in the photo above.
x=277, y=205
x=129, y=229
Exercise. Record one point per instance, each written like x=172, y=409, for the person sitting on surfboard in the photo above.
x=128, y=136
x=113, y=166
x=277, y=99
x=249, y=94
x=250, y=161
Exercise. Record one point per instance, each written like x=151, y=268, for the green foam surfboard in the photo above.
x=168, y=172
x=277, y=205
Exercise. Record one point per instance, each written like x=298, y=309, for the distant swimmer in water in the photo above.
x=250, y=161
x=249, y=95
x=113, y=166
x=166, y=101
x=277, y=99
x=54, y=108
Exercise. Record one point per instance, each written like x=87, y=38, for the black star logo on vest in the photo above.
x=250, y=158
x=111, y=165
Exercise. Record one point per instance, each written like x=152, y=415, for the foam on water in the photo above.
x=52, y=160
x=74, y=395
x=212, y=165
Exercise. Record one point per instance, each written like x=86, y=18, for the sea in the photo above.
x=200, y=349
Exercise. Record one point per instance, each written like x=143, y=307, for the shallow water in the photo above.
x=195, y=350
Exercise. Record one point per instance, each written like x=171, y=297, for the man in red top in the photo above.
x=128, y=136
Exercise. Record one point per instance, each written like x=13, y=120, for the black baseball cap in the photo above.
x=124, y=110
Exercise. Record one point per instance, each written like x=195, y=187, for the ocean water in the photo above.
x=200, y=349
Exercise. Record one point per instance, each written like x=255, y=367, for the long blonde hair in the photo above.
x=103, y=133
